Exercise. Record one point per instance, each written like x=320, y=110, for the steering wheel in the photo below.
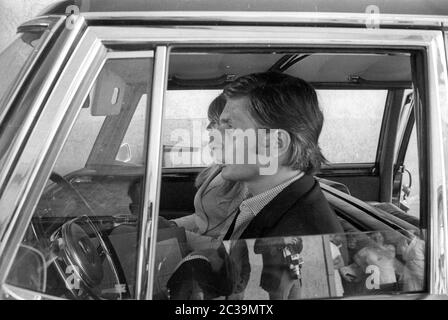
x=80, y=260
x=81, y=249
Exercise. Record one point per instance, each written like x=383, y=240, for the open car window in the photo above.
x=382, y=247
x=303, y=267
x=346, y=111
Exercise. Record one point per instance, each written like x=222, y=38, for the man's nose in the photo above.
x=221, y=127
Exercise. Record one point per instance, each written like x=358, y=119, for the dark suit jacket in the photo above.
x=300, y=209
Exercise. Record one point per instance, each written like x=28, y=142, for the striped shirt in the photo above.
x=251, y=206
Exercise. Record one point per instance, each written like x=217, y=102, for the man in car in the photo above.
x=283, y=199
x=286, y=201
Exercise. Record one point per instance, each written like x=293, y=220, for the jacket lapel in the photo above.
x=274, y=210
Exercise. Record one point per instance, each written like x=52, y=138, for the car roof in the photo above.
x=410, y=7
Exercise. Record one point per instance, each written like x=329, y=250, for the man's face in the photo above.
x=236, y=116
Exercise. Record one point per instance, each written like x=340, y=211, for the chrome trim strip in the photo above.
x=267, y=36
x=130, y=54
x=437, y=112
x=146, y=219
x=261, y=17
x=444, y=120
x=154, y=161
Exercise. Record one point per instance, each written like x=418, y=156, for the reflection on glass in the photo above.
x=13, y=58
x=305, y=267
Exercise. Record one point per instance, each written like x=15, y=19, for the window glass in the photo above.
x=185, y=135
x=345, y=112
x=320, y=266
x=363, y=250
x=12, y=63
x=352, y=124
x=131, y=148
x=14, y=57
x=80, y=142
x=82, y=239
x=410, y=189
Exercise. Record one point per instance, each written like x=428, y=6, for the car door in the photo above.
x=62, y=198
x=193, y=39
x=418, y=66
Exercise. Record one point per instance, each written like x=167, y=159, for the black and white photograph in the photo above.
x=230, y=152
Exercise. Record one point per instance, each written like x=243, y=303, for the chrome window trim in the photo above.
x=247, y=17
x=130, y=54
x=444, y=120
x=278, y=36
x=153, y=171
x=268, y=36
x=437, y=115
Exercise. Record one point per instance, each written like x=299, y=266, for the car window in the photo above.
x=85, y=224
x=379, y=243
x=347, y=112
x=410, y=190
x=294, y=267
x=80, y=142
x=185, y=143
x=131, y=148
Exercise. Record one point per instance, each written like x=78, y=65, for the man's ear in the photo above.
x=283, y=141
x=277, y=141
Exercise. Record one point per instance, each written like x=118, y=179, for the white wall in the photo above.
x=15, y=12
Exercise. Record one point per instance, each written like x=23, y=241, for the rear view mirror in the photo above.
x=107, y=96
x=29, y=270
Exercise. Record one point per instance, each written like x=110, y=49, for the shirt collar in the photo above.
x=255, y=204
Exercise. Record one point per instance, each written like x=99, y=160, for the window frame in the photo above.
x=424, y=46
x=47, y=139
x=428, y=40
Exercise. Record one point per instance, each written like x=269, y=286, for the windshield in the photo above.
x=14, y=58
